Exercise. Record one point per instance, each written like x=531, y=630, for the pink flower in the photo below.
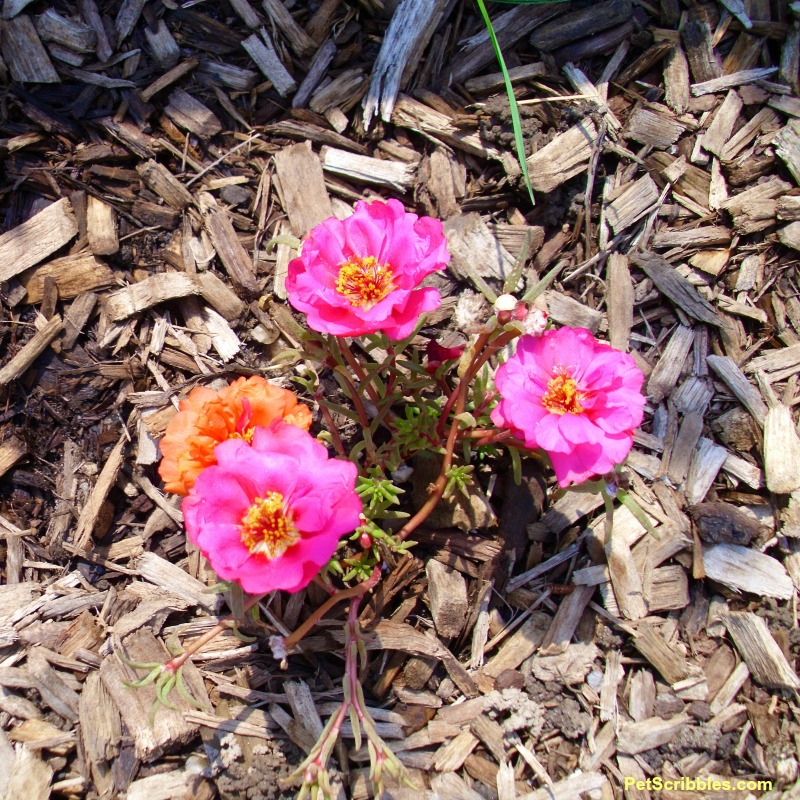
x=269, y=514
x=360, y=275
x=576, y=398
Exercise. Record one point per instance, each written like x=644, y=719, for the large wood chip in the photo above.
x=447, y=592
x=562, y=158
x=31, y=350
x=672, y=284
x=746, y=570
x=765, y=659
x=148, y=293
x=781, y=451
x=639, y=737
x=24, y=53
x=302, y=187
x=35, y=239
x=161, y=572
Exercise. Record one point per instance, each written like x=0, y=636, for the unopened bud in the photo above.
x=365, y=540
x=506, y=302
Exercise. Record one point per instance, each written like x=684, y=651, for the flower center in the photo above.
x=562, y=395
x=266, y=529
x=363, y=281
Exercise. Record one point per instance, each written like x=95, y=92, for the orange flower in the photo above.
x=208, y=417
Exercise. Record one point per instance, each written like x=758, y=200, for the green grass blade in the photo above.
x=516, y=122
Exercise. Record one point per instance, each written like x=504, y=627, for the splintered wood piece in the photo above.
x=787, y=147
x=302, y=187
x=29, y=776
x=509, y=27
x=161, y=572
x=651, y=128
x=742, y=389
x=71, y=33
x=91, y=16
x=579, y=784
x=726, y=82
x=781, y=451
x=35, y=239
x=747, y=570
x=414, y=115
x=489, y=83
x=684, y=446
x=390, y=635
x=31, y=350
x=719, y=131
x=160, y=180
x=613, y=675
x=672, y=284
x=578, y=24
x=697, y=42
x=297, y=38
x=726, y=694
x=789, y=235
x=625, y=578
x=452, y=755
x=189, y=113
x=676, y=80
x=163, y=46
x=672, y=666
x=474, y=250
x=24, y=53
x=127, y=17
x=262, y=51
x=632, y=204
x=564, y=157
x=707, y=236
x=523, y=643
x=788, y=208
x=55, y=693
x=759, y=650
x=363, y=169
x=317, y=70
x=148, y=293
x=223, y=338
x=170, y=729
x=619, y=301
x=226, y=242
x=11, y=451
x=408, y=34
x=764, y=119
x=639, y=737
x=90, y=513
x=668, y=368
x=219, y=295
x=101, y=227
x=706, y=464
x=568, y=668
x=447, y=593
x=566, y=620
x=73, y=275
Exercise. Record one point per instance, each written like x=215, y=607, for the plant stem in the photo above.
x=174, y=664
x=352, y=362
x=332, y=429
x=354, y=591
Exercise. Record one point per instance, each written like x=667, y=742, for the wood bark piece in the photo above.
x=696, y=36
x=676, y=287
x=412, y=25
x=694, y=237
x=474, y=250
x=676, y=80
x=317, y=70
x=101, y=224
x=619, y=301
x=162, y=44
x=161, y=572
x=90, y=513
x=509, y=27
x=725, y=82
x=11, y=451
x=639, y=737
x=35, y=239
x=719, y=131
x=24, y=53
x=578, y=24
x=564, y=157
x=521, y=645
x=160, y=180
x=625, y=578
x=781, y=451
x=127, y=17
x=170, y=729
x=29, y=776
x=363, y=169
x=652, y=128
x=296, y=37
x=671, y=665
x=767, y=663
x=706, y=464
x=737, y=382
x=566, y=620
x=56, y=694
x=226, y=242
x=747, y=570
x=787, y=147
x=665, y=376
x=148, y=293
x=71, y=33
x=632, y=204
x=302, y=187
x=189, y=113
x=447, y=593
x=31, y=350
x=262, y=51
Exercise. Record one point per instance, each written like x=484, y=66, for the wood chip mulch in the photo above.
x=153, y=150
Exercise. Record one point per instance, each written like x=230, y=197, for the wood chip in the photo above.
x=31, y=350
x=447, y=592
x=262, y=51
x=562, y=158
x=745, y=569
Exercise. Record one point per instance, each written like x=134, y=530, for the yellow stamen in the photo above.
x=562, y=395
x=246, y=434
x=266, y=529
x=363, y=281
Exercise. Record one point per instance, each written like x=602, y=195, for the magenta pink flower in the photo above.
x=360, y=275
x=269, y=514
x=576, y=398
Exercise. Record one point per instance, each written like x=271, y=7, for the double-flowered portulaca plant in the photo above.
x=270, y=507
